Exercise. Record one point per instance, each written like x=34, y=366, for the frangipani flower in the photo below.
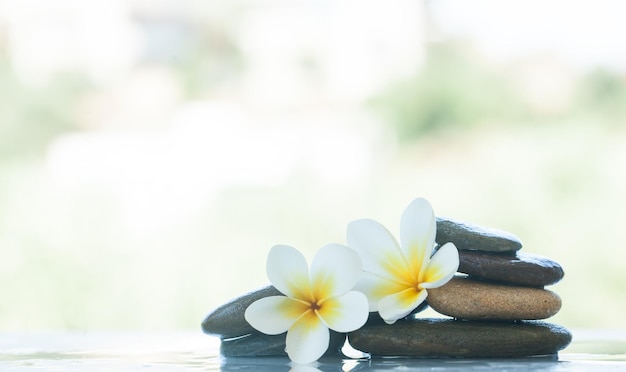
x=314, y=301
x=397, y=277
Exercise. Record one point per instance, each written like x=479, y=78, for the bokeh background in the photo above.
x=151, y=152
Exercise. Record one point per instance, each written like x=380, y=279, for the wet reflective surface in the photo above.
x=193, y=351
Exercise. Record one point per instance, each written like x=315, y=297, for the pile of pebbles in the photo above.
x=496, y=304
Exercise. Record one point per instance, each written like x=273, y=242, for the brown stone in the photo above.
x=465, y=298
x=228, y=320
x=467, y=236
x=445, y=338
x=522, y=268
x=259, y=344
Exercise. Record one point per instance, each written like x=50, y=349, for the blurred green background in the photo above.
x=151, y=152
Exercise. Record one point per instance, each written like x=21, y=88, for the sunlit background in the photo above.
x=151, y=152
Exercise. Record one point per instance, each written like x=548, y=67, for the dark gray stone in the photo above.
x=445, y=338
x=521, y=268
x=259, y=344
x=227, y=321
x=466, y=236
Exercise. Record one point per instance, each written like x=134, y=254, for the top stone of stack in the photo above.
x=470, y=237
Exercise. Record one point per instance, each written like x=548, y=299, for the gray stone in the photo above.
x=521, y=268
x=259, y=344
x=466, y=236
x=227, y=321
x=464, y=298
x=444, y=338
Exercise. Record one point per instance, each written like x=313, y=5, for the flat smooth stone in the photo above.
x=448, y=338
x=464, y=298
x=228, y=320
x=522, y=268
x=467, y=236
x=259, y=344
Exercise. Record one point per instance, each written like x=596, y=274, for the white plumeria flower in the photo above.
x=397, y=276
x=314, y=301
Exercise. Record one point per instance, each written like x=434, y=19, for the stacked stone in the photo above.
x=496, y=304
x=238, y=338
x=502, y=283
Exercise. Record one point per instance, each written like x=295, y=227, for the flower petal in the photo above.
x=401, y=304
x=345, y=313
x=275, y=314
x=288, y=271
x=375, y=288
x=334, y=271
x=378, y=249
x=418, y=228
x=442, y=266
x=307, y=339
